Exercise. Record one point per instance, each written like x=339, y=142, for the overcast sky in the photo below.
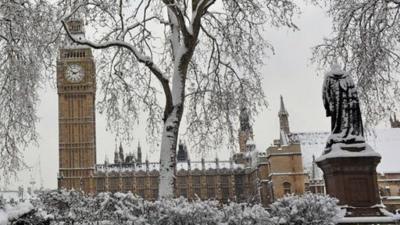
x=289, y=73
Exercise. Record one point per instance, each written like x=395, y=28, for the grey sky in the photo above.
x=288, y=73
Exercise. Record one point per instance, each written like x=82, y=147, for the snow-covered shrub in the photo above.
x=126, y=208
x=64, y=206
x=182, y=212
x=241, y=213
x=71, y=207
x=309, y=209
x=120, y=207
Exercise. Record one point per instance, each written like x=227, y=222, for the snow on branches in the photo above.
x=307, y=209
x=365, y=39
x=27, y=46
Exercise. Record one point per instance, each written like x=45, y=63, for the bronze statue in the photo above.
x=342, y=105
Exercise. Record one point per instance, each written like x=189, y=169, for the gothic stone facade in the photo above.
x=286, y=169
x=222, y=181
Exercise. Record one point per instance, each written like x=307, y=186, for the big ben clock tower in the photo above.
x=76, y=84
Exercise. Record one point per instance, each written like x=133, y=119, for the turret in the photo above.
x=116, y=156
x=216, y=161
x=183, y=154
x=106, y=161
x=283, y=118
x=313, y=173
x=245, y=131
x=250, y=145
x=75, y=25
x=121, y=153
x=139, y=154
x=147, y=163
x=244, y=120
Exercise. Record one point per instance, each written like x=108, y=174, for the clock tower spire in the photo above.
x=76, y=85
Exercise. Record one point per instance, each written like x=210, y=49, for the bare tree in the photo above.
x=205, y=53
x=26, y=48
x=366, y=40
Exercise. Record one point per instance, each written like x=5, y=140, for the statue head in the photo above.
x=336, y=71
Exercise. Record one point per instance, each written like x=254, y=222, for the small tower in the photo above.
x=203, y=164
x=245, y=131
x=130, y=158
x=313, y=172
x=139, y=154
x=182, y=155
x=252, y=153
x=250, y=145
x=216, y=160
x=147, y=163
x=106, y=161
x=121, y=153
x=283, y=118
x=116, y=156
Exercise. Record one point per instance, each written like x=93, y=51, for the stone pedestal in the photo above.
x=353, y=180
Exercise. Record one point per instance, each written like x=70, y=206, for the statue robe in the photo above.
x=342, y=105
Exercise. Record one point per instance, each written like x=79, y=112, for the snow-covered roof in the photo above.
x=208, y=165
x=384, y=141
x=250, y=141
x=131, y=167
x=136, y=167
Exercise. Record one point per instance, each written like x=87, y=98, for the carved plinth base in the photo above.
x=353, y=180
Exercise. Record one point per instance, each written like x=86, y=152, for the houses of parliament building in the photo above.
x=248, y=176
x=287, y=166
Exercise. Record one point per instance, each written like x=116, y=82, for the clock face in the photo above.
x=74, y=73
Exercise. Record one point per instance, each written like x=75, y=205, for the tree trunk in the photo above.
x=168, y=153
x=172, y=119
x=173, y=116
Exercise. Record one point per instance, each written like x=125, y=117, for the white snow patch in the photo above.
x=14, y=211
x=372, y=219
x=338, y=152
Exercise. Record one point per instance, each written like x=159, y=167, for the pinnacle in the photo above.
x=282, y=110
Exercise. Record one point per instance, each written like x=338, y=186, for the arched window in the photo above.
x=287, y=188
